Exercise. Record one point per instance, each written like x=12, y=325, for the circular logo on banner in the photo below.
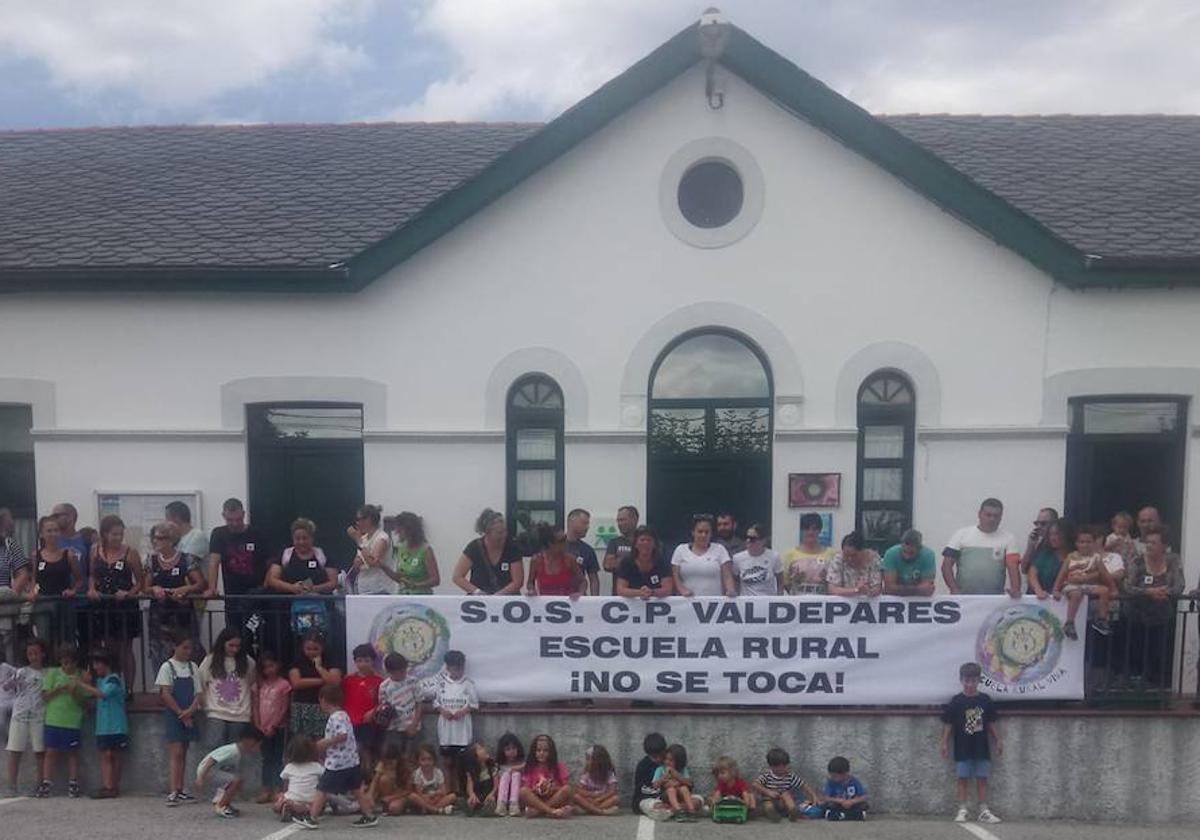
x=1019, y=643
x=414, y=631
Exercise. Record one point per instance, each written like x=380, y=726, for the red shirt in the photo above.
x=359, y=695
x=561, y=582
x=735, y=788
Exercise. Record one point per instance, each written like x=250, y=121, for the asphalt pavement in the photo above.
x=133, y=818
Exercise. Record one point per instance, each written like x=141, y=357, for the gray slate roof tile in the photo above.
x=313, y=195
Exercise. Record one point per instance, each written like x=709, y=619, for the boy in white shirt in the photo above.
x=454, y=698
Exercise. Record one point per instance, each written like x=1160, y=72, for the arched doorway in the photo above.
x=534, y=453
x=709, y=432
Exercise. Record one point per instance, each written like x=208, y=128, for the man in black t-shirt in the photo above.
x=237, y=553
x=970, y=717
x=578, y=523
x=621, y=546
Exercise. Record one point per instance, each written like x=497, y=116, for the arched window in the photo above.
x=709, y=435
x=886, y=436
x=534, y=444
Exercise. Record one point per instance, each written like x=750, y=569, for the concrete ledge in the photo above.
x=1069, y=766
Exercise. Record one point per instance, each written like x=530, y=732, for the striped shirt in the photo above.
x=12, y=560
x=785, y=783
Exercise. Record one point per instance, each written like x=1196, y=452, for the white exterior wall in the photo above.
x=576, y=273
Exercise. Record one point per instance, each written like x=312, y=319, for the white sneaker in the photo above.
x=986, y=816
x=963, y=814
x=501, y=809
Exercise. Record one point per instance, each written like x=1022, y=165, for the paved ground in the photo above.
x=142, y=817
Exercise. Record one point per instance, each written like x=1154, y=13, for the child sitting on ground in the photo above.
x=1084, y=573
x=480, y=775
x=645, y=794
x=844, y=797
x=391, y=783
x=971, y=717
x=300, y=776
x=596, y=792
x=781, y=792
x=223, y=767
x=430, y=794
x=512, y=762
x=545, y=782
x=674, y=783
x=730, y=783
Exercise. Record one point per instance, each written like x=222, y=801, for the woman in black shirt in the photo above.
x=491, y=564
x=645, y=573
x=57, y=575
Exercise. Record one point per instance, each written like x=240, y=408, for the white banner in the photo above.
x=768, y=651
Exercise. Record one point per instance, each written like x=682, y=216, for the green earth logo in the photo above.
x=416, y=632
x=1019, y=644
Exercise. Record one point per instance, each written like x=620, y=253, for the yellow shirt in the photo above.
x=804, y=571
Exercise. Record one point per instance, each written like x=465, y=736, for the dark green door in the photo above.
x=306, y=460
x=709, y=433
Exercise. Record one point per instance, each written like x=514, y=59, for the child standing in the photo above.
x=62, y=692
x=781, y=792
x=399, y=703
x=454, y=698
x=730, y=783
x=26, y=728
x=179, y=690
x=270, y=695
x=844, y=797
x=1084, y=573
x=673, y=781
x=361, y=690
x=112, y=724
x=596, y=792
x=971, y=717
x=645, y=794
x=480, y=773
x=391, y=783
x=300, y=776
x=227, y=675
x=223, y=767
x=512, y=762
x=342, y=774
x=545, y=782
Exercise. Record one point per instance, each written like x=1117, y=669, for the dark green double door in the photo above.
x=306, y=460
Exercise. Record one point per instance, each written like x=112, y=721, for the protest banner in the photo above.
x=768, y=651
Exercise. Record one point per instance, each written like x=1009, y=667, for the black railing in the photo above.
x=1141, y=661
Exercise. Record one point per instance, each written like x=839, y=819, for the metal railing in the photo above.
x=1141, y=661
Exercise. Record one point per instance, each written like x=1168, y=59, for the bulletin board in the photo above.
x=142, y=510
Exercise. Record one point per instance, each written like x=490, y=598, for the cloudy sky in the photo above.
x=121, y=62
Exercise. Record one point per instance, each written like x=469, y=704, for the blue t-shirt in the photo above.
x=110, y=708
x=852, y=788
x=910, y=572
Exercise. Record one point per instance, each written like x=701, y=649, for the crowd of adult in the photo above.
x=1132, y=579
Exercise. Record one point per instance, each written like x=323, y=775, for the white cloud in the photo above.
x=173, y=54
x=1101, y=56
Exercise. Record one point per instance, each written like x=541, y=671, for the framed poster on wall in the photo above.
x=141, y=510
x=814, y=490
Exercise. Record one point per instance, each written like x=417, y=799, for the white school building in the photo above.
x=709, y=275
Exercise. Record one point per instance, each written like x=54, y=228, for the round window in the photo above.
x=710, y=194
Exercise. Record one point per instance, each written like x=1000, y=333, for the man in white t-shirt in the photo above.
x=192, y=540
x=977, y=558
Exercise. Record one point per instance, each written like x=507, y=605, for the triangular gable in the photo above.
x=807, y=98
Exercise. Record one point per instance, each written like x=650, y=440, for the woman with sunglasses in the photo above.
x=554, y=571
x=758, y=569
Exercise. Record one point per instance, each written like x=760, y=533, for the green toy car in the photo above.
x=730, y=809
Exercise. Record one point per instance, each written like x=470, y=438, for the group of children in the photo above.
x=364, y=759
x=664, y=788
